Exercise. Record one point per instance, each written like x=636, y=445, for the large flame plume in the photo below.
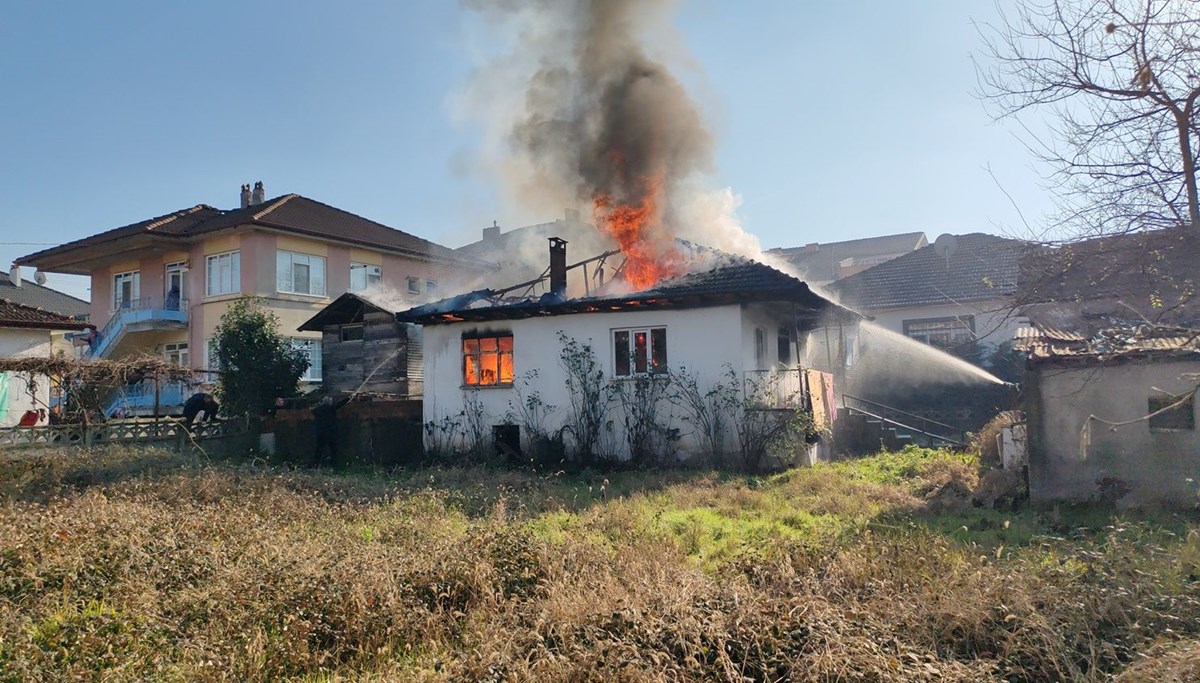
x=601, y=123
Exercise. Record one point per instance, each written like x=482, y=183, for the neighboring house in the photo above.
x=27, y=292
x=484, y=359
x=25, y=332
x=1112, y=417
x=820, y=264
x=364, y=347
x=1086, y=286
x=950, y=300
x=160, y=285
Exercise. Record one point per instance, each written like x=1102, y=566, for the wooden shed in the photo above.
x=361, y=341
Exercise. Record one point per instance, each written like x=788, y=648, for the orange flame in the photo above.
x=648, y=257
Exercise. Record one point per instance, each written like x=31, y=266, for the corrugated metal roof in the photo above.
x=1122, y=342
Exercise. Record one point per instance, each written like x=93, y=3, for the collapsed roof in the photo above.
x=1119, y=342
x=738, y=281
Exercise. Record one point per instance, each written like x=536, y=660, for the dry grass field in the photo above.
x=121, y=565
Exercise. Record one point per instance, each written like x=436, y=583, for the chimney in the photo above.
x=15, y=275
x=491, y=233
x=260, y=194
x=245, y=195
x=558, y=267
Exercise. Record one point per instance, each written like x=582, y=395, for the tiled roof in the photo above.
x=819, y=262
x=982, y=267
x=36, y=296
x=1150, y=272
x=742, y=281
x=17, y=315
x=291, y=213
x=1119, y=343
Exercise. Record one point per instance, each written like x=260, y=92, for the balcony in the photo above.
x=148, y=399
x=139, y=315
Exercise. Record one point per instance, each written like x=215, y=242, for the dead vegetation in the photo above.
x=134, y=566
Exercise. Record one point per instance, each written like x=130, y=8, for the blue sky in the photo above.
x=832, y=120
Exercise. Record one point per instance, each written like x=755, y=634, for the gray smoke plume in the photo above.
x=577, y=107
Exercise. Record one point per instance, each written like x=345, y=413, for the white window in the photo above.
x=176, y=354
x=363, y=276
x=299, y=273
x=431, y=286
x=944, y=333
x=211, y=362
x=127, y=289
x=414, y=285
x=175, y=287
x=224, y=274
x=311, y=348
x=639, y=351
x=760, y=346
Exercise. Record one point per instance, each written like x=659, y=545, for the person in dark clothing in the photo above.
x=200, y=402
x=325, y=429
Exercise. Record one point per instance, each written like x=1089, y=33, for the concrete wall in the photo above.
x=1063, y=465
x=22, y=343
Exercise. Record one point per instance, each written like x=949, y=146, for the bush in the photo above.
x=257, y=364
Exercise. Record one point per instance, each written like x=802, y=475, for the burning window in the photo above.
x=1172, y=413
x=639, y=351
x=943, y=333
x=487, y=361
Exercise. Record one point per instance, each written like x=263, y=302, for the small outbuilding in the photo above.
x=364, y=347
x=1112, y=417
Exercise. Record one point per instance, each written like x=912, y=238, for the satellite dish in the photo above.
x=39, y=277
x=945, y=245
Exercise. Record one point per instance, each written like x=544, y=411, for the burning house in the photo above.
x=741, y=323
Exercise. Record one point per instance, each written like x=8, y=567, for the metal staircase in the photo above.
x=137, y=315
x=904, y=427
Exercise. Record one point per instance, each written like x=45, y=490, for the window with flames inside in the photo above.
x=640, y=352
x=487, y=360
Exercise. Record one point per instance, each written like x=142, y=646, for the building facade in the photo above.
x=160, y=286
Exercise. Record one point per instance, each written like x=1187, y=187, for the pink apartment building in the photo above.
x=160, y=285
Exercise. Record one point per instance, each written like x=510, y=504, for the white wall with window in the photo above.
x=312, y=349
x=127, y=289
x=223, y=273
x=364, y=275
x=414, y=285
x=639, y=351
x=944, y=333
x=299, y=273
x=624, y=343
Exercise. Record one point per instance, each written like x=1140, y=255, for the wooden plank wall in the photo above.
x=385, y=345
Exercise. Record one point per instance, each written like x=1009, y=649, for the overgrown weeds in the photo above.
x=164, y=568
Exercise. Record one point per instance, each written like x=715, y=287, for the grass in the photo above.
x=126, y=565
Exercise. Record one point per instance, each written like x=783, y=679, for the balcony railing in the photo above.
x=139, y=399
x=134, y=311
x=777, y=389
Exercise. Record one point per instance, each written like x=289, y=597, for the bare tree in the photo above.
x=1121, y=78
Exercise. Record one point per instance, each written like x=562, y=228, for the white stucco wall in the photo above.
x=1158, y=465
x=703, y=340
x=21, y=343
x=995, y=322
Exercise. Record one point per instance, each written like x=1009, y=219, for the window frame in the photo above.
x=312, y=346
x=351, y=326
x=1168, y=422
x=235, y=273
x=368, y=275
x=211, y=362
x=479, y=340
x=966, y=323
x=431, y=287
x=414, y=285
x=135, y=288
x=652, y=366
x=181, y=351
x=312, y=260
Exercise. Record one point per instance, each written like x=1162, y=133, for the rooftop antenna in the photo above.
x=945, y=246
